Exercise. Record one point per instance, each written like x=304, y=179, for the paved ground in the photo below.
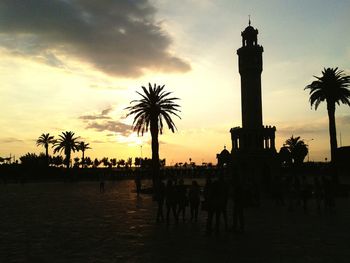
x=75, y=223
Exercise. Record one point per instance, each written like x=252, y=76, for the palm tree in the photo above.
x=150, y=112
x=45, y=140
x=332, y=87
x=83, y=147
x=297, y=148
x=67, y=143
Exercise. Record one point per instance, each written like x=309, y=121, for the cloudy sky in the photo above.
x=74, y=65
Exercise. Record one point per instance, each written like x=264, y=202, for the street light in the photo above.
x=308, y=151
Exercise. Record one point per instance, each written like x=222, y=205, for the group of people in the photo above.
x=175, y=196
x=297, y=191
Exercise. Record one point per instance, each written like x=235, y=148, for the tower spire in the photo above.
x=249, y=19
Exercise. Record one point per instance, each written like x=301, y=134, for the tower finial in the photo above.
x=249, y=19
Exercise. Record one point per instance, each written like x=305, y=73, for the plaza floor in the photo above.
x=74, y=222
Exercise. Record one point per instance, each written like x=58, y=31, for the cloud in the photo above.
x=111, y=126
x=104, y=87
x=98, y=141
x=302, y=129
x=10, y=140
x=344, y=120
x=102, y=122
x=120, y=38
x=102, y=116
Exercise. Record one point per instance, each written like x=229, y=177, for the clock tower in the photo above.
x=253, y=144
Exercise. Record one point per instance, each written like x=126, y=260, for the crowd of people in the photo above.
x=173, y=198
x=295, y=191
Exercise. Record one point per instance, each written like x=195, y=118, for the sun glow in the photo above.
x=133, y=139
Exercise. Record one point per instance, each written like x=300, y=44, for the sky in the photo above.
x=75, y=65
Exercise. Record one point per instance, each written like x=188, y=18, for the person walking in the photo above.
x=160, y=197
x=170, y=200
x=182, y=201
x=194, y=200
x=209, y=200
x=238, y=207
x=221, y=197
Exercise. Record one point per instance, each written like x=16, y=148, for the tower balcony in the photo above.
x=253, y=140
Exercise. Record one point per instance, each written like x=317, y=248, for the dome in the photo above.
x=224, y=152
x=250, y=36
x=250, y=32
x=249, y=29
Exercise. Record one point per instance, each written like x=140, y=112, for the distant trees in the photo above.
x=297, y=149
x=82, y=146
x=33, y=160
x=113, y=162
x=151, y=111
x=45, y=140
x=332, y=87
x=105, y=161
x=57, y=160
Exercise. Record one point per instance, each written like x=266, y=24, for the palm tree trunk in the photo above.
x=82, y=159
x=332, y=129
x=68, y=159
x=155, y=151
x=47, y=154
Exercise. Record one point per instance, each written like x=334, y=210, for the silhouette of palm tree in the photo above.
x=67, y=143
x=332, y=87
x=150, y=112
x=297, y=148
x=83, y=147
x=45, y=140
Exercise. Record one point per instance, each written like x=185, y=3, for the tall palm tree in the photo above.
x=332, y=87
x=297, y=148
x=83, y=147
x=150, y=112
x=67, y=143
x=45, y=140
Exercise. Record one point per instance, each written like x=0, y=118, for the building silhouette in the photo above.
x=253, y=144
x=224, y=158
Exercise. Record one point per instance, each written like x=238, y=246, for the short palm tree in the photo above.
x=67, y=143
x=332, y=87
x=83, y=147
x=297, y=148
x=45, y=140
x=151, y=111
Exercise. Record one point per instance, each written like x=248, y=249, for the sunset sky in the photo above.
x=74, y=65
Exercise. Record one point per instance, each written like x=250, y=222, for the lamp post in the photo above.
x=308, y=151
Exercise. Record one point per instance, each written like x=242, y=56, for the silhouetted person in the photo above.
x=297, y=187
x=182, y=201
x=102, y=183
x=278, y=190
x=160, y=196
x=329, y=202
x=304, y=192
x=194, y=199
x=210, y=202
x=170, y=197
x=138, y=183
x=293, y=191
x=238, y=207
x=318, y=192
x=221, y=198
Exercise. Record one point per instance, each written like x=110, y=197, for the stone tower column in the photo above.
x=250, y=68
